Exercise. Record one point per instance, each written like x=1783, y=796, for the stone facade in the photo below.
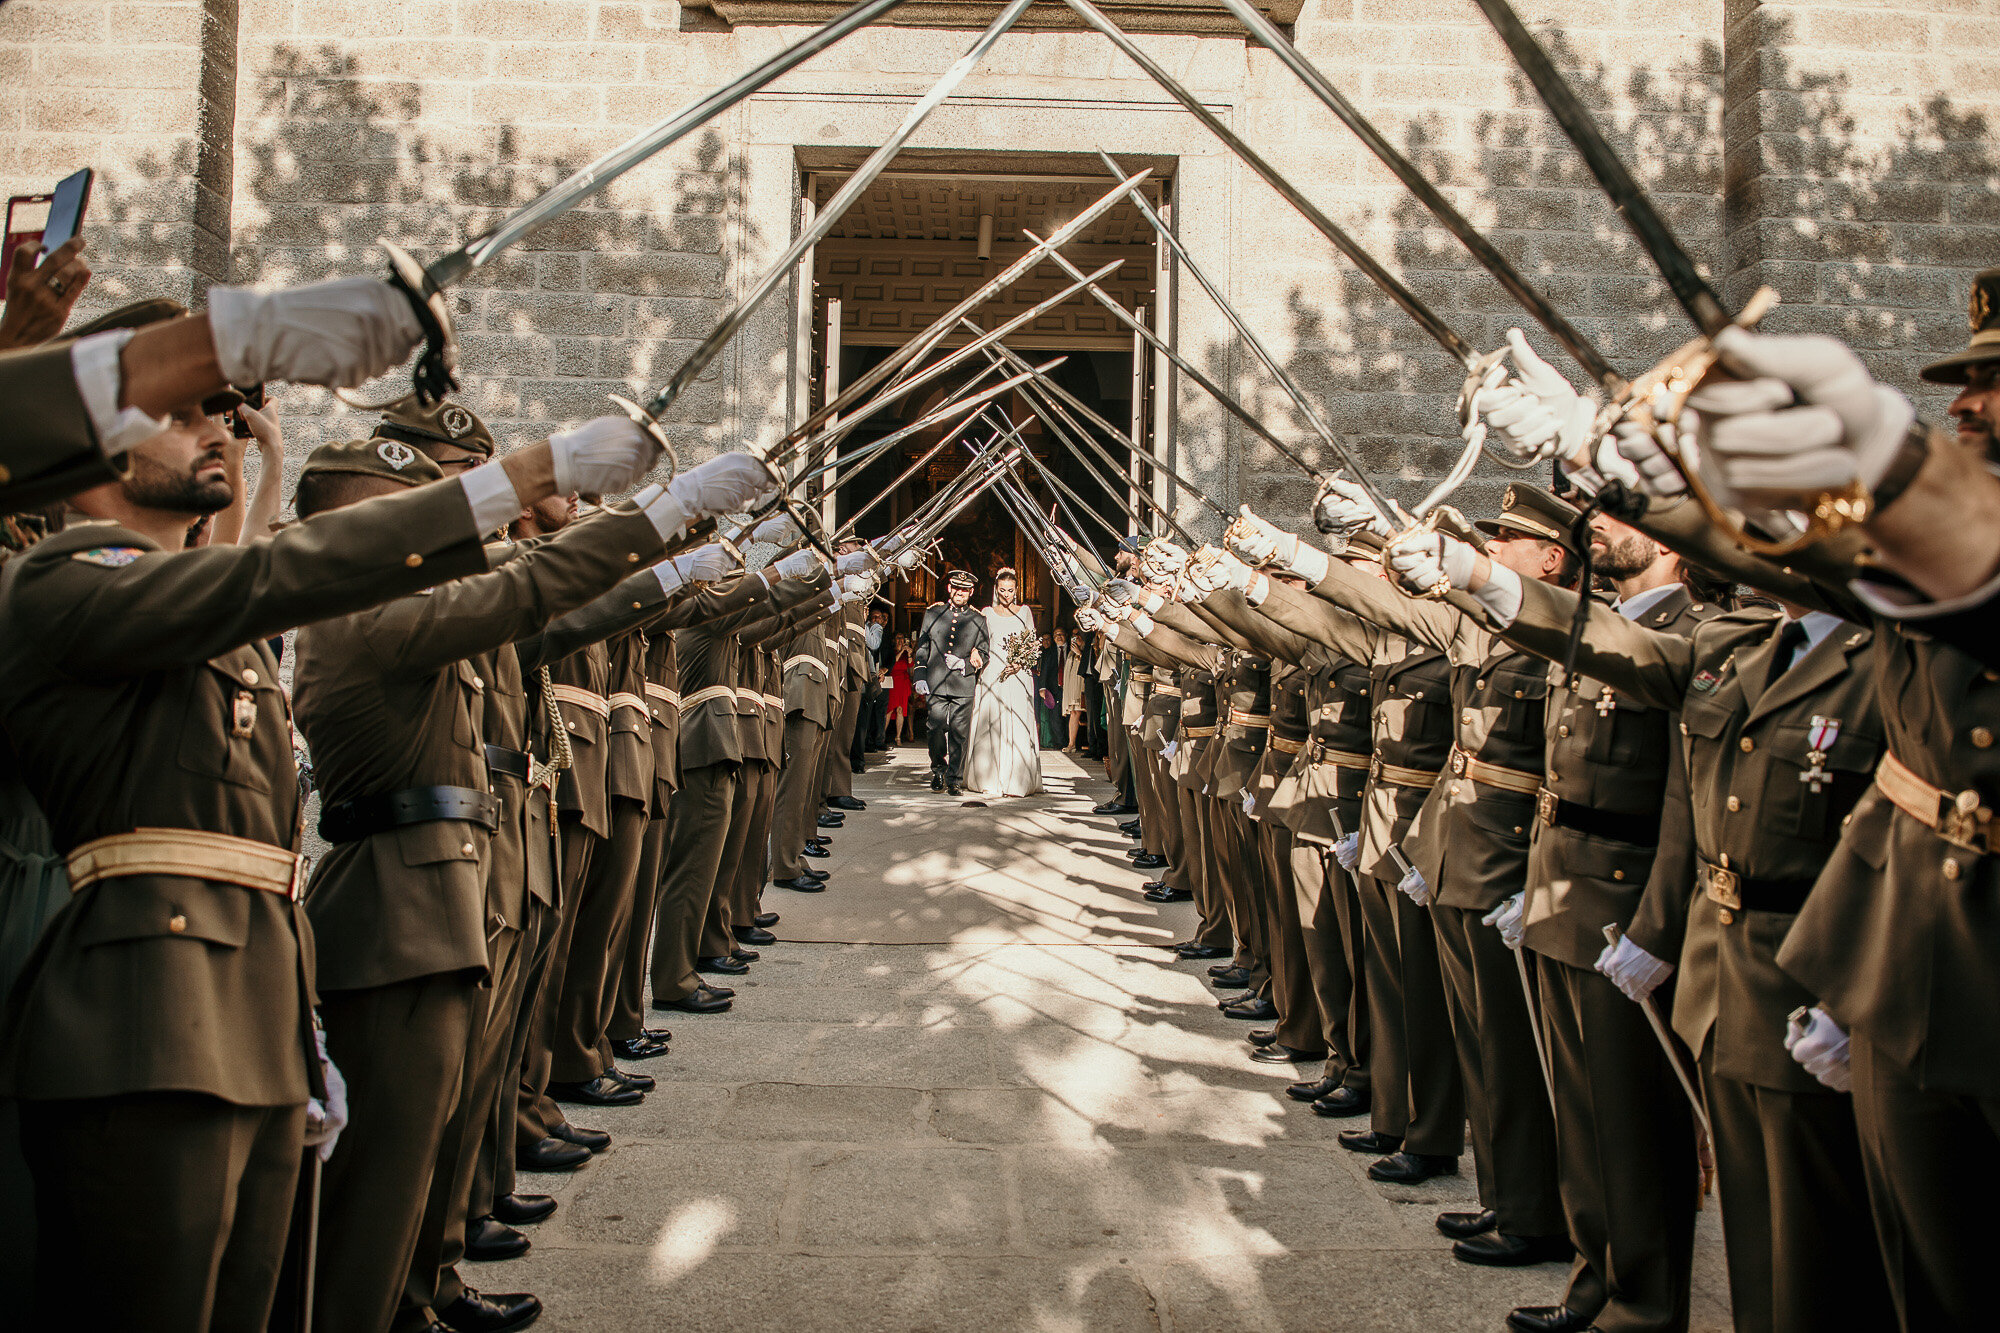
x=1843, y=151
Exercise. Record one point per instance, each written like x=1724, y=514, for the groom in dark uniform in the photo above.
x=951, y=648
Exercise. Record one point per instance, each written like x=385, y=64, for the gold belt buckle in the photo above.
x=1723, y=886
x=1458, y=763
x=1964, y=822
x=1545, y=806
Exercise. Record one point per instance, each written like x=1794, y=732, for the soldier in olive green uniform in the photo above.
x=165, y=1161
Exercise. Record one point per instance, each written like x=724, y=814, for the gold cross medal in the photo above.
x=1820, y=738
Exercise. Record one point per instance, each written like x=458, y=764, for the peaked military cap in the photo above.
x=961, y=578
x=1983, y=314
x=444, y=422
x=392, y=460
x=1530, y=511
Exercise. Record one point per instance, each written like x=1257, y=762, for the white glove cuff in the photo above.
x=1141, y=623
x=1500, y=595
x=1257, y=590
x=1149, y=602
x=670, y=577
x=798, y=565
x=94, y=362
x=1310, y=563
x=490, y=492
x=666, y=515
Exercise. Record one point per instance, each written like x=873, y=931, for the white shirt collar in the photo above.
x=1639, y=603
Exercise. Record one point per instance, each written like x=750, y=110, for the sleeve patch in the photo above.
x=109, y=557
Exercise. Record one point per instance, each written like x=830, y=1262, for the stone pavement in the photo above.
x=979, y=1099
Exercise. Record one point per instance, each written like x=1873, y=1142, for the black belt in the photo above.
x=1728, y=889
x=1641, y=830
x=363, y=816
x=514, y=763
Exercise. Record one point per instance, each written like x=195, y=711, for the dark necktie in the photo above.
x=1791, y=639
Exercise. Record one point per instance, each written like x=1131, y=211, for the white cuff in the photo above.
x=1310, y=563
x=1141, y=623
x=490, y=492
x=1149, y=602
x=667, y=515
x=94, y=363
x=1501, y=594
x=1259, y=589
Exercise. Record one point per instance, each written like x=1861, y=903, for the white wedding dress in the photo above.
x=1004, y=755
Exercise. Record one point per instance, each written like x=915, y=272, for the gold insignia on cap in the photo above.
x=396, y=455
x=455, y=420
x=1509, y=500
x=1982, y=307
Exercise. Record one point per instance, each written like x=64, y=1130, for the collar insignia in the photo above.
x=109, y=557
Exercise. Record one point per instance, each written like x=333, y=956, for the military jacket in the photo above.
x=137, y=693
x=51, y=449
x=806, y=675
x=390, y=699
x=1244, y=712
x=1610, y=752
x=1321, y=792
x=1285, y=740
x=629, y=732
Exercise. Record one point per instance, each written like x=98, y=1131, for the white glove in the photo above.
x=325, y=1119
x=856, y=562
x=1117, y=592
x=921, y=686
x=1422, y=559
x=1413, y=887
x=1256, y=542
x=1820, y=1044
x=705, y=564
x=1642, y=450
x=725, y=484
x=779, y=531
x=1509, y=918
x=1632, y=969
x=798, y=565
x=1249, y=802
x=1160, y=560
x=953, y=662
x=1811, y=419
x=1170, y=749
x=909, y=560
x=1348, y=851
x=1536, y=414
x=1117, y=612
x=339, y=334
x=856, y=587
x=1089, y=620
x=603, y=455
x=1342, y=509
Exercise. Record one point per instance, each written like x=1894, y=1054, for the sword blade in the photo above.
x=581, y=185
x=1703, y=306
x=1573, y=341
x=719, y=337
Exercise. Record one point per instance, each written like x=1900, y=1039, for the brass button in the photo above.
x=465, y=850
x=1725, y=916
x=1520, y=694
x=631, y=557
x=1982, y=737
x=250, y=678
x=1517, y=828
x=1684, y=728
x=1723, y=860
x=178, y=924
x=1951, y=869
x=1735, y=803
x=1747, y=744
x=413, y=560
x=1617, y=874
x=1479, y=684
x=1563, y=730
x=478, y=684
x=1469, y=715
x=637, y=606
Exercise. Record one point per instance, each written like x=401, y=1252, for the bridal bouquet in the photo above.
x=1022, y=650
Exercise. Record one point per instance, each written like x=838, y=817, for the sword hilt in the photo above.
x=436, y=373
x=650, y=424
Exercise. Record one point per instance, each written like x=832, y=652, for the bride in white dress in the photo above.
x=1004, y=756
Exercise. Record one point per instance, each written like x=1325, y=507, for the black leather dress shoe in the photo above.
x=820, y=875
x=1368, y=1141
x=551, y=1155
x=584, y=1137
x=520, y=1210
x=953, y=789
x=816, y=850
x=857, y=768
x=937, y=782
x=743, y=955
x=1130, y=828
x=829, y=820
x=488, y=1239
x=1277, y=1053
x=639, y=1048
x=1341, y=1103
x=1261, y=1037
x=1114, y=806
x=703, y=999
x=847, y=803
x=1229, y=978
x=603, y=1090
x=1547, y=1319
x=1250, y=1009
x=476, y=1312
x=1463, y=1226
x=803, y=884
x=1412, y=1168
x=1134, y=853
x=1497, y=1249
x=728, y=967
x=765, y=919
x=1192, y=950
x=643, y=1082
x=1150, y=861
x=1163, y=894
x=1153, y=886
x=1313, y=1091
x=753, y=935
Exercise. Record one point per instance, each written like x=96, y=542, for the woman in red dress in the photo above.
x=898, y=718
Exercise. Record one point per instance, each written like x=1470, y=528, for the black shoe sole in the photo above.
x=501, y=1255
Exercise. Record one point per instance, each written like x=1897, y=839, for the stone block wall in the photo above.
x=1841, y=150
